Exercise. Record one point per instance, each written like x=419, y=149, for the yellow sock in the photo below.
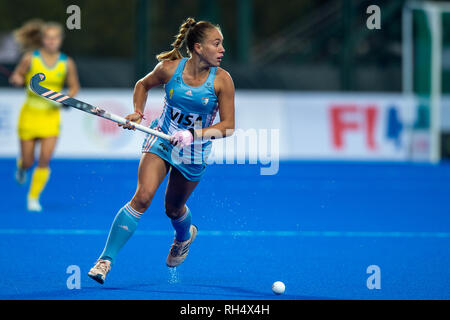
x=38, y=182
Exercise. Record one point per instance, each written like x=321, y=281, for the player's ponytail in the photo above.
x=175, y=53
x=29, y=36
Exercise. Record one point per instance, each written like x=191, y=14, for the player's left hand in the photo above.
x=133, y=117
x=182, y=138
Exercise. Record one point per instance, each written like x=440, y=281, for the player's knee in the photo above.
x=172, y=211
x=27, y=163
x=143, y=198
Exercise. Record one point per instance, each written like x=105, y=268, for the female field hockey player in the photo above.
x=196, y=88
x=39, y=118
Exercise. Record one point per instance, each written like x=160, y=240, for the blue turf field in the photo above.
x=316, y=226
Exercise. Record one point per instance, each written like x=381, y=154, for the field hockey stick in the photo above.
x=71, y=102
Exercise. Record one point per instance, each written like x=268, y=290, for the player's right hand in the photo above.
x=133, y=117
x=16, y=80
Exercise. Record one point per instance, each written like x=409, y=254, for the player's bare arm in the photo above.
x=225, y=93
x=158, y=76
x=72, y=78
x=17, y=78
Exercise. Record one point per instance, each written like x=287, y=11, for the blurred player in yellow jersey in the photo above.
x=39, y=118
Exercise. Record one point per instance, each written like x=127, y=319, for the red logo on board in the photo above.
x=363, y=122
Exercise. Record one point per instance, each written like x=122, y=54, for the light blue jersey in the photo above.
x=185, y=107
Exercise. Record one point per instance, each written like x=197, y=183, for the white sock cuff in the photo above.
x=132, y=211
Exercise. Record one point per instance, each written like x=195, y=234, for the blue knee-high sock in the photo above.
x=182, y=226
x=123, y=227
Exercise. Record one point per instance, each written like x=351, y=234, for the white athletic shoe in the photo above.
x=33, y=205
x=100, y=270
x=179, y=250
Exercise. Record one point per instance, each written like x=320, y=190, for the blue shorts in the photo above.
x=163, y=148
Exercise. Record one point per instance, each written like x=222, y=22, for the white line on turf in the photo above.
x=238, y=233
